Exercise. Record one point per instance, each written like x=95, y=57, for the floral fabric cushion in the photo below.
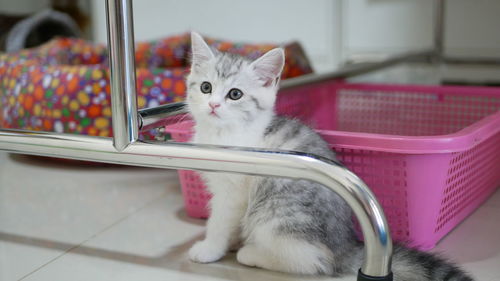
x=63, y=85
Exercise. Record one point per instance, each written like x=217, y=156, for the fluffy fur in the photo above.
x=282, y=224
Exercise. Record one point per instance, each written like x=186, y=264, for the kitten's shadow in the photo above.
x=182, y=216
x=67, y=164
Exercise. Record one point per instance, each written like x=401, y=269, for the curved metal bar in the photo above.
x=378, y=243
x=122, y=65
x=156, y=116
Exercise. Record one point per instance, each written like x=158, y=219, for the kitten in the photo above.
x=284, y=225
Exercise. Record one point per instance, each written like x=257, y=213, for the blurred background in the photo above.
x=331, y=31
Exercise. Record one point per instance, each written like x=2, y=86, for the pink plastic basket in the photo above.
x=431, y=154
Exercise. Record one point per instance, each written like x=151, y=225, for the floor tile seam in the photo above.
x=150, y=202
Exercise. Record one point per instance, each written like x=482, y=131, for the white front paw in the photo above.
x=206, y=251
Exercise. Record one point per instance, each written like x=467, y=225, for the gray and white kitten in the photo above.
x=282, y=224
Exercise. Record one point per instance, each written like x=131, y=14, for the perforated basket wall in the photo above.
x=431, y=154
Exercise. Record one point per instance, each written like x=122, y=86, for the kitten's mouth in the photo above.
x=213, y=113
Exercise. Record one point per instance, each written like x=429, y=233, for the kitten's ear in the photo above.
x=200, y=50
x=268, y=67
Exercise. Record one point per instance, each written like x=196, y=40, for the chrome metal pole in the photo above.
x=439, y=15
x=122, y=68
x=378, y=243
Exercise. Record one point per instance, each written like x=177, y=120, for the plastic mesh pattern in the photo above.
x=410, y=114
x=195, y=193
x=385, y=174
x=472, y=176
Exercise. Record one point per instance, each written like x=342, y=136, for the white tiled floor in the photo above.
x=65, y=221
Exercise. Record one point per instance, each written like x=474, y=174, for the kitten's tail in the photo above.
x=413, y=265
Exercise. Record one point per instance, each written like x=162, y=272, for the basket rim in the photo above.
x=459, y=141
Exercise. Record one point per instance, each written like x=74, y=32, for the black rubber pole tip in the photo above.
x=363, y=277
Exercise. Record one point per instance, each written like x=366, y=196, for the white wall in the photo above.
x=22, y=6
x=382, y=26
x=472, y=28
x=330, y=30
x=313, y=23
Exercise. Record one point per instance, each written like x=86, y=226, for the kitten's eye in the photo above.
x=235, y=94
x=206, y=87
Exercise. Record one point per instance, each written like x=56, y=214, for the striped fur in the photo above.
x=282, y=224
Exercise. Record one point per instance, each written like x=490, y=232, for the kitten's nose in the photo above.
x=213, y=105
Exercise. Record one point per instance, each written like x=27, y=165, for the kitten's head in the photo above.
x=226, y=89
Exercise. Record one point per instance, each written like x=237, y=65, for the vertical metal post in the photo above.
x=439, y=15
x=122, y=66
